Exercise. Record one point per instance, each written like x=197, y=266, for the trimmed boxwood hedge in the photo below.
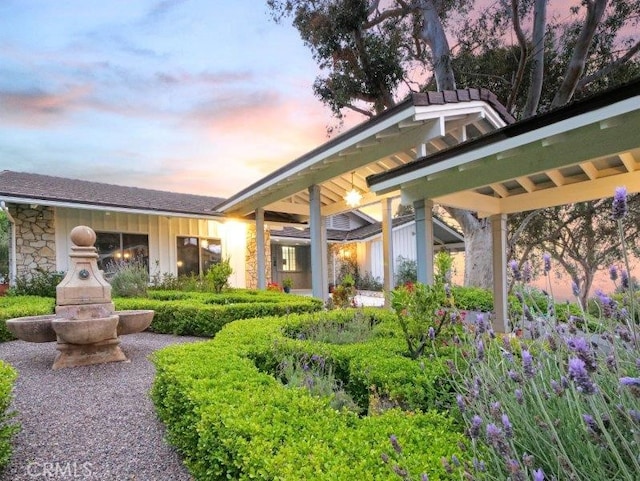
x=7, y=427
x=177, y=312
x=232, y=419
x=20, y=306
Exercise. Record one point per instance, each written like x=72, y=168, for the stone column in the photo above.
x=251, y=257
x=35, y=239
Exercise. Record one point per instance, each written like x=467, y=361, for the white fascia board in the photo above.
x=347, y=143
x=573, y=123
x=106, y=208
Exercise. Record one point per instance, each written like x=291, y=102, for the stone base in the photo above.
x=73, y=355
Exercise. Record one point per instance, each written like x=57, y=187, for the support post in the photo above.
x=499, y=252
x=261, y=264
x=318, y=231
x=424, y=240
x=387, y=248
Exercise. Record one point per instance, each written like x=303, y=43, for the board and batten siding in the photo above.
x=404, y=244
x=162, y=232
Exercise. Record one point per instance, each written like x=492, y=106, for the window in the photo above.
x=115, y=247
x=196, y=255
x=289, y=263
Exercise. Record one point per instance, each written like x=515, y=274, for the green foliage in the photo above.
x=344, y=293
x=207, y=394
x=4, y=245
x=358, y=328
x=407, y=271
x=367, y=282
x=287, y=282
x=424, y=313
x=204, y=314
x=21, y=306
x=129, y=279
x=443, y=264
x=7, y=427
x=218, y=275
x=41, y=283
x=473, y=298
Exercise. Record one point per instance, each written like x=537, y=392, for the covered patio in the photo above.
x=577, y=153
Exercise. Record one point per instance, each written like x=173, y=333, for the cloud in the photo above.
x=38, y=108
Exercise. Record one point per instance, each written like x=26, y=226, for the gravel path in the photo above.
x=92, y=422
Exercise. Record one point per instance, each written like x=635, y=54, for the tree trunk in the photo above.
x=478, y=259
x=435, y=38
x=595, y=10
x=537, y=67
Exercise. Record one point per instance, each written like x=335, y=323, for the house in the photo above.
x=181, y=234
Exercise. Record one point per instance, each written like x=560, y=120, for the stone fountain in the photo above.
x=85, y=325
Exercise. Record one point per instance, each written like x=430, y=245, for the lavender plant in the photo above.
x=563, y=403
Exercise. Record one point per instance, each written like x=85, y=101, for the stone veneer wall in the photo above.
x=251, y=259
x=35, y=239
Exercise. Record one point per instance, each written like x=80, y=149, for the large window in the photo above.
x=116, y=247
x=289, y=261
x=197, y=254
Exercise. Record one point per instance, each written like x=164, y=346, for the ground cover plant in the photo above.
x=7, y=427
x=268, y=399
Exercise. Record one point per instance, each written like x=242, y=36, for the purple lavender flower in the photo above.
x=624, y=279
x=519, y=397
x=515, y=270
x=591, y=423
x=527, y=364
x=638, y=362
x=432, y=333
x=583, y=351
x=476, y=424
x=396, y=445
x=492, y=333
x=424, y=477
x=564, y=382
x=613, y=273
x=619, y=207
x=506, y=424
x=385, y=458
x=630, y=381
x=538, y=475
x=481, y=326
x=557, y=388
x=447, y=290
x=546, y=258
x=526, y=272
x=580, y=376
x=400, y=471
x=480, y=349
x=461, y=403
x=527, y=460
x=514, y=375
x=575, y=288
x=494, y=408
x=635, y=415
x=479, y=465
x=455, y=461
x=494, y=434
x=527, y=313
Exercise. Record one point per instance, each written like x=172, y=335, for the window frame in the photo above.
x=201, y=270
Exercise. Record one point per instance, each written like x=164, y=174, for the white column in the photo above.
x=424, y=240
x=261, y=265
x=499, y=252
x=318, y=232
x=387, y=247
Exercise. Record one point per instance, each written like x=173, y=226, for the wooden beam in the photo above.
x=471, y=201
x=556, y=177
x=500, y=189
x=589, y=169
x=629, y=161
x=526, y=183
x=288, y=208
x=367, y=199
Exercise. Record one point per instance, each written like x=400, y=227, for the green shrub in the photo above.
x=7, y=428
x=407, y=271
x=129, y=279
x=204, y=314
x=41, y=283
x=473, y=298
x=21, y=306
x=218, y=275
x=231, y=418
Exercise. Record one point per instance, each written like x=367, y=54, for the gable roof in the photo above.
x=23, y=187
x=444, y=234
x=435, y=120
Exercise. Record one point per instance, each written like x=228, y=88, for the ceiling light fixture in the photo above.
x=353, y=197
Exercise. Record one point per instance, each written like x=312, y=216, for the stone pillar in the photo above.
x=251, y=257
x=260, y=249
x=35, y=239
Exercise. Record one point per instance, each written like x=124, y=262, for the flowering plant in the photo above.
x=274, y=286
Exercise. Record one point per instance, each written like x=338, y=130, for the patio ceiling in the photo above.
x=577, y=153
x=421, y=125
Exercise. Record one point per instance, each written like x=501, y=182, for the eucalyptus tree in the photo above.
x=371, y=53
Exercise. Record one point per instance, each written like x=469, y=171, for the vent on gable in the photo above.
x=339, y=222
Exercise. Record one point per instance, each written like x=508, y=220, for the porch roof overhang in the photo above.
x=577, y=153
x=422, y=124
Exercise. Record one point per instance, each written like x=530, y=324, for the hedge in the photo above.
x=204, y=314
x=20, y=306
x=7, y=427
x=232, y=419
x=177, y=312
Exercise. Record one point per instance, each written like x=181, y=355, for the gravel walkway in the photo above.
x=92, y=422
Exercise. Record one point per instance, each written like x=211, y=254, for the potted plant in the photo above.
x=287, y=284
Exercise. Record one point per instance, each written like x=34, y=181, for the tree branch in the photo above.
x=587, y=79
x=537, y=68
x=522, y=62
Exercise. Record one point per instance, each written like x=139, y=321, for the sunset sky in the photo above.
x=194, y=96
